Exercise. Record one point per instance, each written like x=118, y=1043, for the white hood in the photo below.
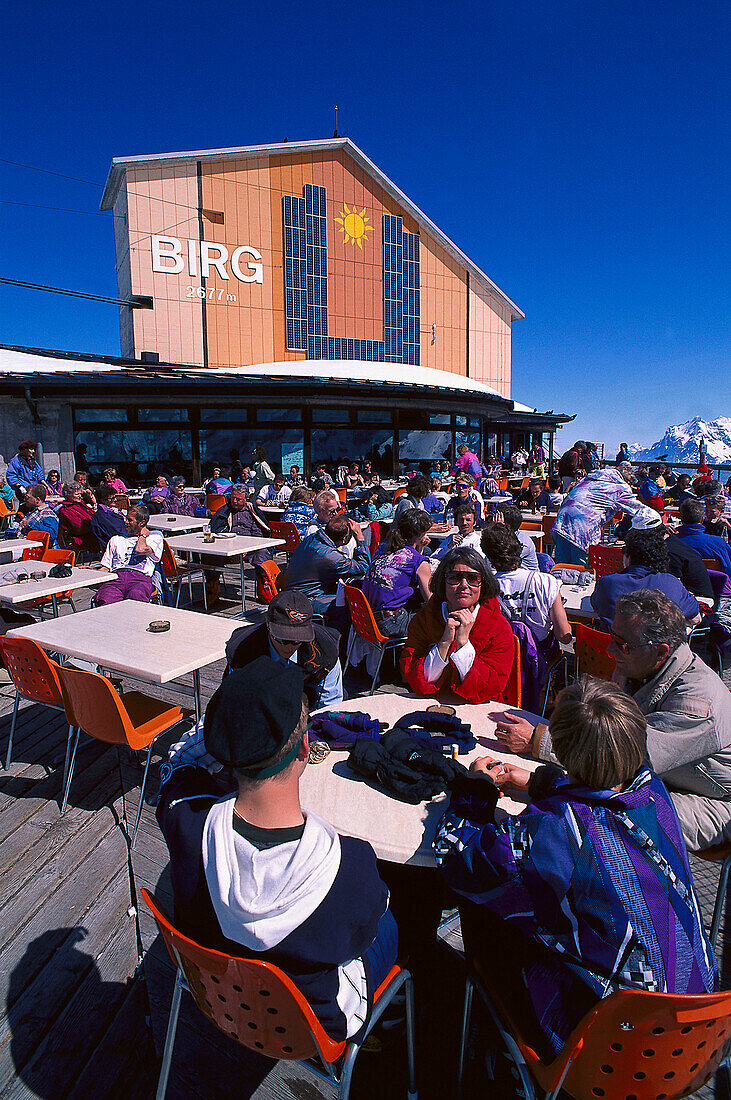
x=261, y=896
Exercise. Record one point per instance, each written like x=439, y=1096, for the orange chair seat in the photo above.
x=149, y=717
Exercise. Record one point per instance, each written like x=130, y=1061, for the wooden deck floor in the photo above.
x=79, y=1015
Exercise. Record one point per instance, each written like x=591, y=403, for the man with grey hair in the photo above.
x=688, y=711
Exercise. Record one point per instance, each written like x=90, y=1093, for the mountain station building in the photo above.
x=287, y=296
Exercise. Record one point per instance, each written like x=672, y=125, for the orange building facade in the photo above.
x=296, y=252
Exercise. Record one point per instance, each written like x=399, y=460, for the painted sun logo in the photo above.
x=354, y=226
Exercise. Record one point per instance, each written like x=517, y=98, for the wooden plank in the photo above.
x=54, y=1064
x=124, y=1058
x=81, y=878
x=33, y=1013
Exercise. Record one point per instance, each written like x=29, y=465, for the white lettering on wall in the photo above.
x=169, y=259
x=174, y=254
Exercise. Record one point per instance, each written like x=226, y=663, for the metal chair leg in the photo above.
x=378, y=669
x=720, y=900
x=410, y=1039
x=466, y=1015
x=351, y=643
x=167, y=1056
x=142, y=795
x=70, y=767
x=12, y=730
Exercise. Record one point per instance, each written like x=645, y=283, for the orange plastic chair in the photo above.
x=5, y=514
x=214, y=502
x=133, y=719
x=547, y=524
x=121, y=501
x=364, y=625
x=342, y=493
x=713, y=563
x=176, y=574
x=605, y=559
x=35, y=553
x=261, y=1008
x=400, y=492
x=592, y=658
x=533, y=527
x=268, y=580
x=34, y=676
x=286, y=531
x=504, y=484
x=513, y=693
x=568, y=565
x=633, y=1045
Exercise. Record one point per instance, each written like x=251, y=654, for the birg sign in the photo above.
x=170, y=256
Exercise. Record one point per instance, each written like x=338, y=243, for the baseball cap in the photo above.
x=290, y=616
x=646, y=520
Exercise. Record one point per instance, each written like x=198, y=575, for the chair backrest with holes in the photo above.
x=121, y=501
x=649, y=1045
x=35, y=553
x=214, y=501
x=286, y=531
x=605, y=559
x=252, y=1001
x=5, y=511
x=92, y=703
x=362, y=616
x=34, y=674
x=592, y=658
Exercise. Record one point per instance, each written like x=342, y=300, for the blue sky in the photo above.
x=577, y=152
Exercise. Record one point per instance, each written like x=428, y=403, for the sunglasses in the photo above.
x=625, y=647
x=283, y=641
x=474, y=580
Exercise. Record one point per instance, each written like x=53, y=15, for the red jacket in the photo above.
x=492, y=639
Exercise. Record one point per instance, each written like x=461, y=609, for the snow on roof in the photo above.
x=119, y=164
x=14, y=361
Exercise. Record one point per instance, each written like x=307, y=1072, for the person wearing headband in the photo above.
x=256, y=876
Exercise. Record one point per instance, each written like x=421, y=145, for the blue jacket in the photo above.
x=318, y=564
x=598, y=878
x=20, y=475
x=612, y=585
x=708, y=546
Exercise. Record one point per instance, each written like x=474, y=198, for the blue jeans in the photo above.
x=567, y=551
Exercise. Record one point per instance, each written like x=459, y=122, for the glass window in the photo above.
x=226, y=416
x=461, y=421
x=138, y=455
x=263, y=415
x=419, y=445
x=154, y=415
x=443, y=419
x=374, y=416
x=471, y=438
x=100, y=416
x=338, y=446
x=284, y=446
x=330, y=416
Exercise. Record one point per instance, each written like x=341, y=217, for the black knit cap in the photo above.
x=254, y=713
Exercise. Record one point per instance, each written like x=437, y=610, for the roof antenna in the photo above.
x=336, y=121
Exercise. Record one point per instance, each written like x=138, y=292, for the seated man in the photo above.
x=24, y=469
x=688, y=711
x=327, y=505
x=237, y=515
x=646, y=564
x=466, y=519
x=650, y=491
x=717, y=522
x=320, y=561
x=299, y=510
x=535, y=496
x=417, y=489
x=155, y=499
x=321, y=474
x=276, y=493
x=133, y=558
x=252, y=874
x=679, y=492
x=38, y=516
x=289, y=634
x=693, y=533
x=106, y=521
x=465, y=494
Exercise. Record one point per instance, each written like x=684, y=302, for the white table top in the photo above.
x=222, y=547
x=176, y=525
x=12, y=593
x=536, y=517
x=442, y=534
x=576, y=600
x=398, y=831
x=273, y=510
x=115, y=636
x=18, y=544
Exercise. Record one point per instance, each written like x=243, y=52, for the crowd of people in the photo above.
x=587, y=890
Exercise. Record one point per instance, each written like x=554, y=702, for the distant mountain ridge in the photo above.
x=680, y=442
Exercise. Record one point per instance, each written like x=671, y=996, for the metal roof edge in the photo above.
x=248, y=151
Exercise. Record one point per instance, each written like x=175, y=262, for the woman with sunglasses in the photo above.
x=460, y=640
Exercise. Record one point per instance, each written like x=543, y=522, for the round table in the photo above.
x=398, y=831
